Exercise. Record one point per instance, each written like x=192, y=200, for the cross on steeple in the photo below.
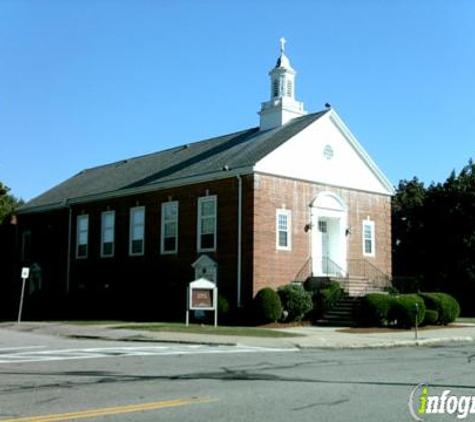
x=282, y=45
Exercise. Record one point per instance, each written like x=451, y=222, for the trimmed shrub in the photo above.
x=446, y=305
x=295, y=301
x=431, y=317
x=223, y=308
x=403, y=311
x=267, y=306
x=374, y=309
x=326, y=296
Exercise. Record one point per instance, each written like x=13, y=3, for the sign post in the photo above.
x=202, y=296
x=25, y=273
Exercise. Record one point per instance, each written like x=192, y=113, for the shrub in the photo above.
x=267, y=306
x=447, y=306
x=431, y=317
x=223, y=307
x=326, y=296
x=374, y=309
x=296, y=301
x=403, y=310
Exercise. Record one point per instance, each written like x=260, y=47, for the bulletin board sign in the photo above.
x=202, y=295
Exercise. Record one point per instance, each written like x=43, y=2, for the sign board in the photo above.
x=25, y=272
x=202, y=299
x=202, y=296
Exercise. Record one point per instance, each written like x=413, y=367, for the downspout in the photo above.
x=68, y=262
x=239, y=241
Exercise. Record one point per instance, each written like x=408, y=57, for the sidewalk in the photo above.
x=311, y=337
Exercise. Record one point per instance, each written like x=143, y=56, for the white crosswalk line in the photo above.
x=109, y=352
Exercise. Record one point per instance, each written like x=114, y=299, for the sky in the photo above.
x=89, y=82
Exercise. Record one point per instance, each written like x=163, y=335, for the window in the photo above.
x=283, y=230
x=107, y=234
x=368, y=238
x=275, y=87
x=289, y=88
x=82, y=236
x=137, y=231
x=328, y=152
x=207, y=223
x=169, y=233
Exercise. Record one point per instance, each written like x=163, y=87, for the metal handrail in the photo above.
x=305, y=272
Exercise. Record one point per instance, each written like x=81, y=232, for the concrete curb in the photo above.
x=392, y=344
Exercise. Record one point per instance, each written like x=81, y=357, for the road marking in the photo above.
x=108, y=352
x=94, y=413
x=3, y=349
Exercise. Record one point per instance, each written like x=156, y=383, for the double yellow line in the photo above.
x=93, y=413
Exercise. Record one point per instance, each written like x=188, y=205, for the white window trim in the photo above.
x=103, y=230
x=162, y=232
x=131, y=231
x=288, y=214
x=214, y=200
x=78, y=232
x=371, y=224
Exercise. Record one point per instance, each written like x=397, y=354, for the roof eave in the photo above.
x=210, y=177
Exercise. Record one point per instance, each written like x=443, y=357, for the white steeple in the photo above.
x=282, y=106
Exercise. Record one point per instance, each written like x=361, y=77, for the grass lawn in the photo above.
x=470, y=320
x=206, y=329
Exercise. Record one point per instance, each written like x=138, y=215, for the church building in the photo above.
x=295, y=199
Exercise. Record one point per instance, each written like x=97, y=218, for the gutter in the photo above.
x=239, y=241
x=68, y=262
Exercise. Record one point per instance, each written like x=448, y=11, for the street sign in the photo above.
x=25, y=272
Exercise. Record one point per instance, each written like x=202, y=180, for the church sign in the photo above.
x=202, y=295
x=202, y=299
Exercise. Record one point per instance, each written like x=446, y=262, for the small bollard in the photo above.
x=417, y=322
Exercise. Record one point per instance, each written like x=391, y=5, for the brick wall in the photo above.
x=274, y=267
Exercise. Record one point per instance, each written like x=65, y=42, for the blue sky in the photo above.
x=84, y=83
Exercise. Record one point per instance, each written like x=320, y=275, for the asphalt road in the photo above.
x=55, y=379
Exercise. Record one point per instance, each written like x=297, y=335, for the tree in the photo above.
x=8, y=203
x=434, y=235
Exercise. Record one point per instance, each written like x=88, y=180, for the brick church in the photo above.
x=295, y=197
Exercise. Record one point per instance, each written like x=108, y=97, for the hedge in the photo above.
x=267, y=306
x=295, y=301
x=374, y=309
x=403, y=310
x=431, y=317
x=447, y=307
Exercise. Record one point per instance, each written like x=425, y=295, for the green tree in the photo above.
x=8, y=203
x=434, y=235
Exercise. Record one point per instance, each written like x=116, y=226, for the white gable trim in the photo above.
x=298, y=158
x=345, y=131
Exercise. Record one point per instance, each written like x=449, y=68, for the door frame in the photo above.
x=329, y=207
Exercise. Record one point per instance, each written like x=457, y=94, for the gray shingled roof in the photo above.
x=237, y=150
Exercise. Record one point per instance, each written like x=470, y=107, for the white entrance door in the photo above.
x=329, y=242
x=325, y=245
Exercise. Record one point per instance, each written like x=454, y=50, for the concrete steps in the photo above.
x=342, y=314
